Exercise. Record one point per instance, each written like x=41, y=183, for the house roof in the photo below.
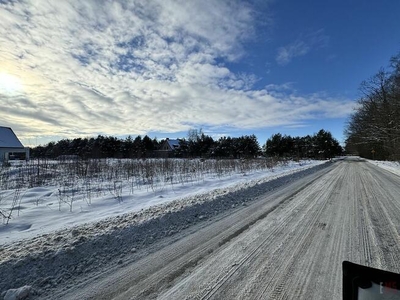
x=8, y=139
x=173, y=143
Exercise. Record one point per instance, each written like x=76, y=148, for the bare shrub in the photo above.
x=86, y=180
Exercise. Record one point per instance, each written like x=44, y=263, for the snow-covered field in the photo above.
x=43, y=209
x=43, y=246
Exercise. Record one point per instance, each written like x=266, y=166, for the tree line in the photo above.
x=99, y=147
x=197, y=144
x=320, y=145
x=373, y=130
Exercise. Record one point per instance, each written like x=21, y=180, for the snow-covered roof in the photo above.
x=8, y=139
x=173, y=143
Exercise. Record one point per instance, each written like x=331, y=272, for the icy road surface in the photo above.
x=288, y=244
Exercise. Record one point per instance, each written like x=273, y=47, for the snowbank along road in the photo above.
x=287, y=243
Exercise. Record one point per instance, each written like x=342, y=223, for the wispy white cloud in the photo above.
x=131, y=67
x=301, y=46
x=295, y=49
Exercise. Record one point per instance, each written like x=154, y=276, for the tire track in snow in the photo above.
x=246, y=259
x=289, y=245
x=380, y=202
x=298, y=254
x=301, y=245
x=282, y=230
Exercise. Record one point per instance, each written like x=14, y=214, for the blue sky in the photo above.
x=161, y=67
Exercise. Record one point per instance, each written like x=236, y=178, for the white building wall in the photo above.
x=4, y=153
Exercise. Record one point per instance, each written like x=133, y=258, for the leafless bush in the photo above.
x=88, y=179
x=7, y=212
x=115, y=189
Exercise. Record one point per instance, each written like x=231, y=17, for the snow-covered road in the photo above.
x=283, y=239
x=288, y=244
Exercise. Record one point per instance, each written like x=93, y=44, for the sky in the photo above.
x=162, y=67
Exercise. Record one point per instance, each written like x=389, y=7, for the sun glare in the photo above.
x=9, y=84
